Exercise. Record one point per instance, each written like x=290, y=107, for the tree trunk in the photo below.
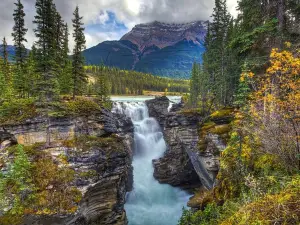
x=281, y=20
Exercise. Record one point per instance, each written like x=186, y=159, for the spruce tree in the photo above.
x=2, y=81
x=65, y=78
x=102, y=85
x=46, y=63
x=194, y=85
x=78, y=74
x=5, y=67
x=5, y=63
x=32, y=77
x=19, y=32
x=215, y=58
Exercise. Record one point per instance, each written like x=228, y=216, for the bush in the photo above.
x=281, y=208
x=17, y=111
x=36, y=184
x=79, y=107
x=82, y=107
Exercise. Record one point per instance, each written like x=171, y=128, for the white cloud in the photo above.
x=98, y=37
x=129, y=12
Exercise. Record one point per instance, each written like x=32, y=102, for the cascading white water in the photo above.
x=150, y=203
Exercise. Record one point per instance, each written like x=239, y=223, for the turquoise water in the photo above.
x=150, y=203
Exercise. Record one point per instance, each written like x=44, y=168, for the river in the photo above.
x=150, y=203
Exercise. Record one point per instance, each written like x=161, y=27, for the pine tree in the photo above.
x=194, y=85
x=2, y=81
x=31, y=78
x=46, y=63
x=6, y=71
x=65, y=78
x=19, y=32
x=5, y=63
x=102, y=85
x=78, y=73
x=216, y=57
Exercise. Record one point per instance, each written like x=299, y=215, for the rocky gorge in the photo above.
x=194, y=144
x=99, y=147
x=101, y=157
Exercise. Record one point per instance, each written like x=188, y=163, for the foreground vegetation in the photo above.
x=26, y=189
x=252, y=67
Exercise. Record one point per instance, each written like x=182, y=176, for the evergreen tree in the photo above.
x=19, y=32
x=31, y=78
x=65, y=78
x=2, y=81
x=78, y=73
x=102, y=85
x=5, y=62
x=216, y=58
x=46, y=63
x=6, y=71
x=194, y=85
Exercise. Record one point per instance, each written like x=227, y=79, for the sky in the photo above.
x=111, y=19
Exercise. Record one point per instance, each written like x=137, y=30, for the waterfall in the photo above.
x=150, y=203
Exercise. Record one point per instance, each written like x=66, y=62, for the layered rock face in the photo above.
x=194, y=145
x=163, y=34
x=103, y=171
x=175, y=167
x=158, y=109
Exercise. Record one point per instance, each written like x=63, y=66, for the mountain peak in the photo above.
x=162, y=34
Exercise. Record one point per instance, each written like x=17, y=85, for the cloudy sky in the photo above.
x=110, y=19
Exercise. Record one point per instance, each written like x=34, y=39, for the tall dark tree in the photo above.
x=19, y=32
x=215, y=58
x=46, y=63
x=79, y=76
x=5, y=62
x=6, y=71
x=65, y=78
x=195, y=85
x=32, y=77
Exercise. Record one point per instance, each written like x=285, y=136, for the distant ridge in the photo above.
x=159, y=48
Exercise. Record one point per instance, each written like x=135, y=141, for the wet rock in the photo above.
x=175, y=167
x=158, y=108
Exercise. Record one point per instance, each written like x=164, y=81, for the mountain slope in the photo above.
x=121, y=54
x=157, y=48
x=11, y=50
x=163, y=35
x=172, y=61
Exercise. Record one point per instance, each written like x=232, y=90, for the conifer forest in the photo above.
x=95, y=133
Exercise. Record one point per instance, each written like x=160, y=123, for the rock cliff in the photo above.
x=194, y=145
x=175, y=167
x=98, y=148
x=157, y=48
x=163, y=34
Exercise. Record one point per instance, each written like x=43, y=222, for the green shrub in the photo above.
x=82, y=107
x=17, y=111
x=79, y=107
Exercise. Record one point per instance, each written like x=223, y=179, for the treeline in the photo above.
x=47, y=70
x=252, y=67
x=239, y=45
x=115, y=81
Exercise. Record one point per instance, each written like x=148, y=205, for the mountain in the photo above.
x=158, y=48
x=11, y=50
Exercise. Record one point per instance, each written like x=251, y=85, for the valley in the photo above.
x=132, y=112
